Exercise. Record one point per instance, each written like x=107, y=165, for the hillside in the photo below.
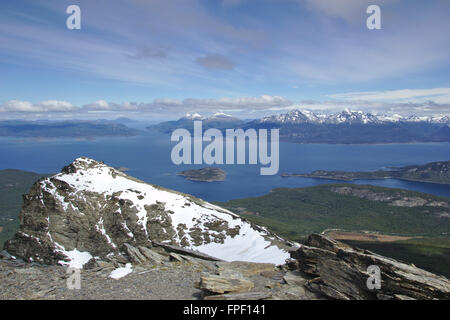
x=63, y=129
x=421, y=222
x=13, y=184
x=297, y=212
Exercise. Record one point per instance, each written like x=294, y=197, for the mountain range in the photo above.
x=64, y=129
x=346, y=127
x=348, y=116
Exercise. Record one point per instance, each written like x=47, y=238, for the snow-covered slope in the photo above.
x=91, y=209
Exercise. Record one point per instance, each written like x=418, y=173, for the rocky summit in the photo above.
x=133, y=240
x=91, y=210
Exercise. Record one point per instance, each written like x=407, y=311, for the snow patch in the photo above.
x=121, y=272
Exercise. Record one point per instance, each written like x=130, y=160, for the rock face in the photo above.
x=339, y=271
x=93, y=210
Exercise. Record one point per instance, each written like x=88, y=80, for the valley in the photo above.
x=401, y=224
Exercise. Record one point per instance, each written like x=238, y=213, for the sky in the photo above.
x=160, y=59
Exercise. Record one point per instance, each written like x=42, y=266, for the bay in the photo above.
x=148, y=158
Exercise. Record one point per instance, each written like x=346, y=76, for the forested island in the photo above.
x=204, y=174
x=434, y=172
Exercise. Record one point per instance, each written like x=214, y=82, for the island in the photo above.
x=434, y=172
x=204, y=174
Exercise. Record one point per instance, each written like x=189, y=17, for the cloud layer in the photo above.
x=405, y=102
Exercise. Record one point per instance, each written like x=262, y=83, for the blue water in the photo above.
x=148, y=157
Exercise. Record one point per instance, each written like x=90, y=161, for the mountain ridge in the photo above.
x=91, y=210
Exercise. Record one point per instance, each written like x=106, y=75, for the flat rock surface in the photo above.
x=172, y=280
x=146, y=282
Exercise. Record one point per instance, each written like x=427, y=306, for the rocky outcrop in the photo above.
x=320, y=269
x=93, y=210
x=339, y=271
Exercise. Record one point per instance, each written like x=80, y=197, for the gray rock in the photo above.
x=5, y=255
x=133, y=254
x=104, y=264
x=183, y=251
x=294, y=278
x=91, y=264
x=216, y=284
x=341, y=273
x=241, y=296
x=151, y=256
x=175, y=257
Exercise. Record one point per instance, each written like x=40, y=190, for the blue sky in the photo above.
x=160, y=59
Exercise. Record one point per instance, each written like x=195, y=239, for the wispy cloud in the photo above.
x=215, y=61
x=438, y=95
x=234, y=48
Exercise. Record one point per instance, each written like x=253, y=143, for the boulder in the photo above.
x=133, y=254
x=216, y=284
x=5, y=255
x=151, y=256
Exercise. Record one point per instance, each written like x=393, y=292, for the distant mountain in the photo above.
x=355, y=127
x=346, y=127
x=347, y=117
x=63, y=129
x=218, y=121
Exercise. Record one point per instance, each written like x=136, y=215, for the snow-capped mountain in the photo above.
x=222, y=117
x=91, y=210
x=218, y=120
x=295, y=116
x=347, y=116
x=192, y=116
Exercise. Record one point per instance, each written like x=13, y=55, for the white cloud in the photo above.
x=407, y=102
x=44, y=106
x=437, y=95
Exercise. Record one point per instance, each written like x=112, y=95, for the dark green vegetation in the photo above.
x=432, y=254
x=13, y=184
x=204, y=174
x=435, y=172
x=295, y=213
x=62, y=129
